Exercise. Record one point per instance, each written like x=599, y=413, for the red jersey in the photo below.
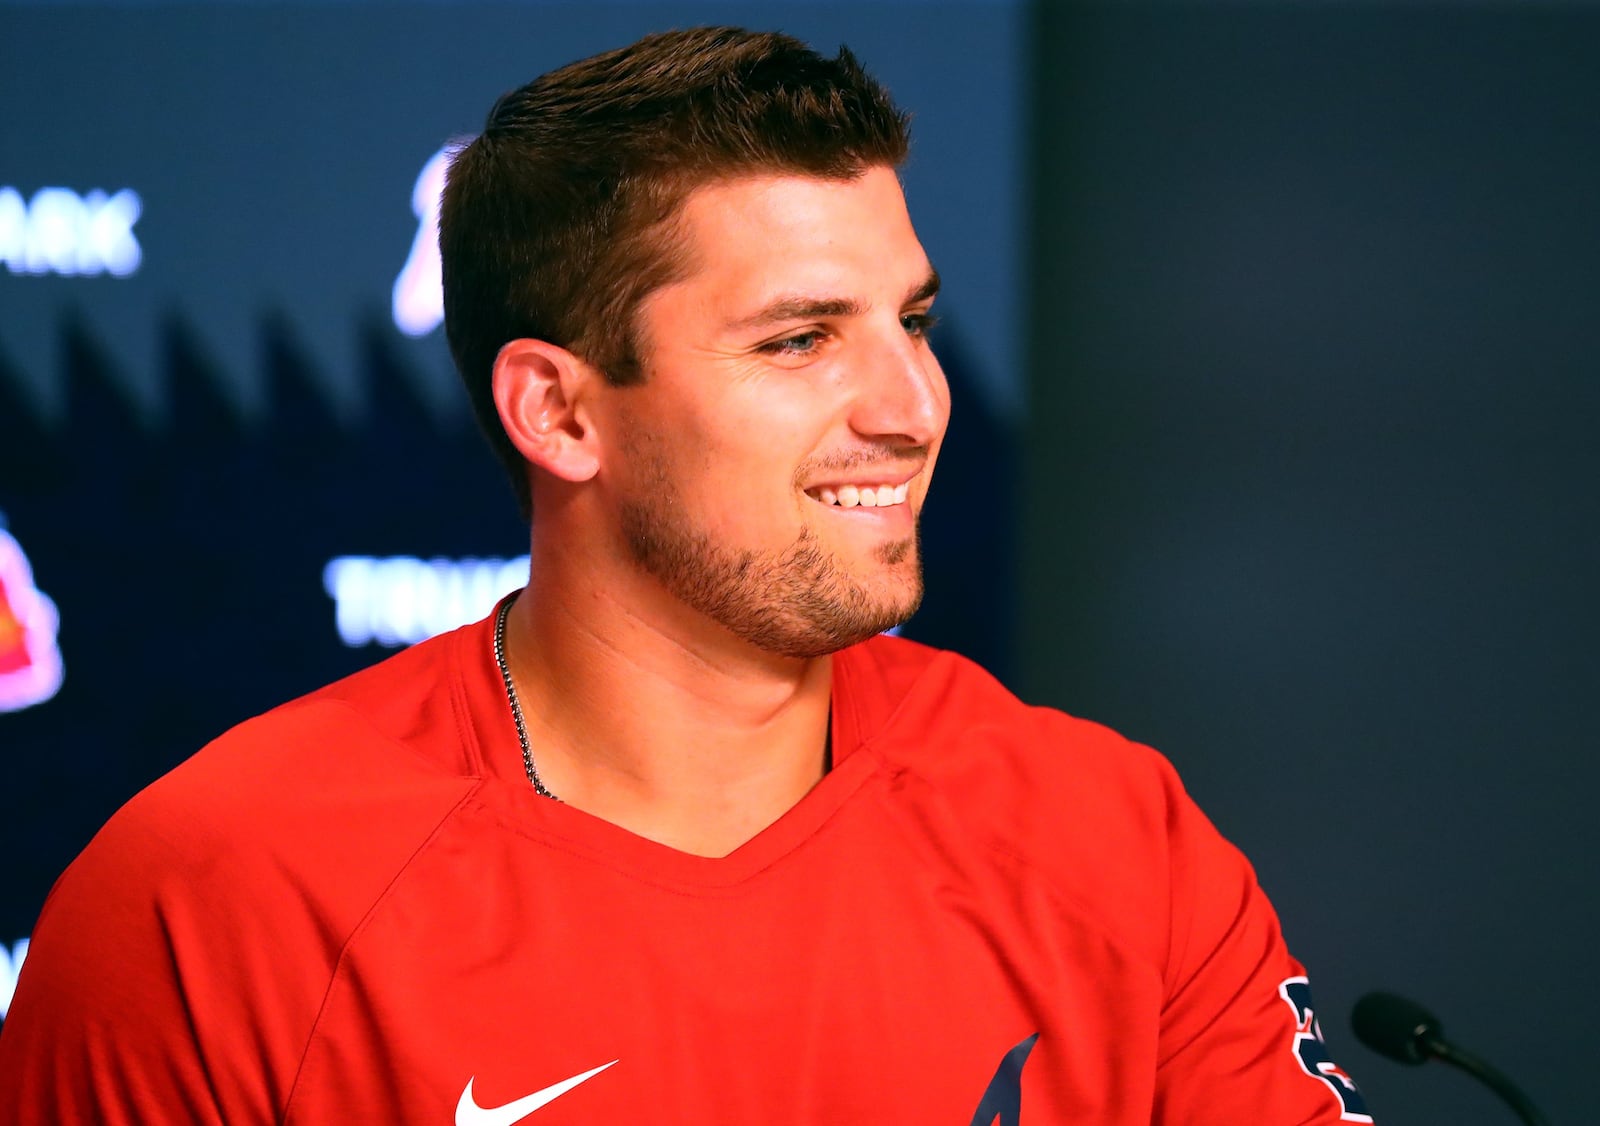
x=355, y=909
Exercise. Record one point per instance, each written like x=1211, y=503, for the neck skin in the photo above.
x=663, y=723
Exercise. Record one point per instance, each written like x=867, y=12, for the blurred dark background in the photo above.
x=1311, y=479
x=1270, y=337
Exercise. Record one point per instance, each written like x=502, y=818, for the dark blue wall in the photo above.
x=1312, y=481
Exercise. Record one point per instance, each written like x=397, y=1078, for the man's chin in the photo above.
x=898, y=553
x=826, y=629
x=805, y=601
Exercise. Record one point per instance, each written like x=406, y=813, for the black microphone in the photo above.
x=1406, y=1032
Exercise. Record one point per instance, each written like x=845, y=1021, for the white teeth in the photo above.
x=865, y=496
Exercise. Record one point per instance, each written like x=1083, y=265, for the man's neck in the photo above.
x=679, y=734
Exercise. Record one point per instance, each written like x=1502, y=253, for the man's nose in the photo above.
x=902, y=391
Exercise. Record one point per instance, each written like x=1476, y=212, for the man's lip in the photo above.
x=894, y=478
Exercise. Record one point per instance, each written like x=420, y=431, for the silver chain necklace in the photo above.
x=511, y=696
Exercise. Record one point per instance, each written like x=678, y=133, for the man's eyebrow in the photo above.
x=799, y=308
x=802, y=308
x=925, y=291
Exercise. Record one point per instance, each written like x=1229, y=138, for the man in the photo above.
x=674, y=835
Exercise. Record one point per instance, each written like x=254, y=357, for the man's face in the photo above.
x=774, y=460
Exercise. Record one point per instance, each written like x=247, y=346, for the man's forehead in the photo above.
x=776, y=236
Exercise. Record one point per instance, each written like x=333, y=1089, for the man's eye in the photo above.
x=918, y=324
x=798, y=345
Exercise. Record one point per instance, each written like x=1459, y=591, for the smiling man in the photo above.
x=709, y=531
x=675, y=835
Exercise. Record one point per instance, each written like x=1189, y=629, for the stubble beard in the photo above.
x=796, y=602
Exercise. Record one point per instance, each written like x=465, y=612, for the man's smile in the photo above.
x=864, y=496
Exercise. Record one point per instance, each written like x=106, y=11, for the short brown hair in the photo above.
x=555, y=222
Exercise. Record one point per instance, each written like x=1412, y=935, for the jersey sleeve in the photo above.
x=105, y=1025
x=1240, y=1040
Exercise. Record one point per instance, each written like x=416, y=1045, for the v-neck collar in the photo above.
x=492, y=752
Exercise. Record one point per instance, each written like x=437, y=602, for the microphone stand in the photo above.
x=1490, y=1076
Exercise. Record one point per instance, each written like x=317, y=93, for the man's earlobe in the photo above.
x=539, y=392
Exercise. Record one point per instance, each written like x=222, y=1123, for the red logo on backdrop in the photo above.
x=30, y=659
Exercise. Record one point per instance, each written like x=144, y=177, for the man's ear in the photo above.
x=541, y=392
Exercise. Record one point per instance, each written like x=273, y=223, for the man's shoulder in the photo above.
x=407, y=709
x=1094, y=815
x=933, y=708
x=325, y=795
x=270, y=845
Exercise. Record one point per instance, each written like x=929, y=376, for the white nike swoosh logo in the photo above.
x=469, y=1113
